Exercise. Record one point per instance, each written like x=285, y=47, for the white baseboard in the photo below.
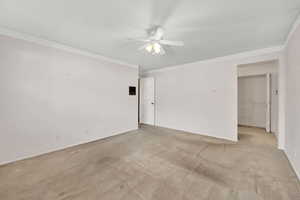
x=64, y=147
x=292, y=164
x=202, y=133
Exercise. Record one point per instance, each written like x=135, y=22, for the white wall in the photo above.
x=201, y=97
x=198, y=98
x=252, y=101
x=292, y=146
x=52, y=99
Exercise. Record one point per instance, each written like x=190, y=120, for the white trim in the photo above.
x=292, y=164
x=292, y=31
x=202, y=134
x=268, y=113
x=53, y=44
x=276, y=50
x=25, y=157
x=281, y=102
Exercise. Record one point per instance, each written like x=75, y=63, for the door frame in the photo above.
x=268, y=111
x=267, y=77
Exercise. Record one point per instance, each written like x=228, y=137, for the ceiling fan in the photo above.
x=155, y=41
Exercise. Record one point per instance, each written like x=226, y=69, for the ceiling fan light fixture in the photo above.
x=156, y=47
x=155, y=42
x=149, y=48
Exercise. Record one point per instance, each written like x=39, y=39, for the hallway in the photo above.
x=156, y=163
x=256, y=136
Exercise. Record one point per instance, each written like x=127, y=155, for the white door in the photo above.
x=252, y=101
x=147, y=101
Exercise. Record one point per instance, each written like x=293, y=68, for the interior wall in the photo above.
x=252, y=101
x=52, y=99
x=198, y=98
x=202, y=97
x=292, y=146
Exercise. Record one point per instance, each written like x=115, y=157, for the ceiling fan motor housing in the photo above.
x=156, y=33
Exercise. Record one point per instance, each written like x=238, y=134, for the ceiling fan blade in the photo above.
x=142, y=47
x=140, y=39
x=162, y=51
x=171, y=43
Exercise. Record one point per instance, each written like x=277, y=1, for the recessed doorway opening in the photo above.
x=258, y=101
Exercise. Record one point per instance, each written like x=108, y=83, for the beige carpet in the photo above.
x=156, y=163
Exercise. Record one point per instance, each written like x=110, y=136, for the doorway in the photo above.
x=258, y=105
x=147, y=101
x=253, y=102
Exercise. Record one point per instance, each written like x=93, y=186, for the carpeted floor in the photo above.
x=159, y=164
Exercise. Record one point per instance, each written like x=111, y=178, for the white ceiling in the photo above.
x=209, y=28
